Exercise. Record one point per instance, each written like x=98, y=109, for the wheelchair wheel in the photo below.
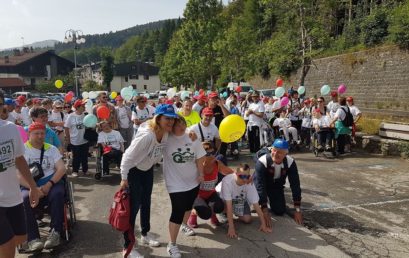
x=71, y=205
x=97, y=175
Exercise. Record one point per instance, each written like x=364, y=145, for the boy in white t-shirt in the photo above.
x=112, y=145
x=285, y=125
x=238, y=194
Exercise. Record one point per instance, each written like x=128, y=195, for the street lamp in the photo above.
x=76, y=37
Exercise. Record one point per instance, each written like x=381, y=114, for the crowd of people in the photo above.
x=183, y=135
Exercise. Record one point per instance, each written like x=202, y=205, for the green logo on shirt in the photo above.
x=183, y=157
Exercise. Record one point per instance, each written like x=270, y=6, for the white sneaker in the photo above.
x=148, y=240
x=188, y=231
x=133, y=254
x=221, y=217
x=173, y=251
x=35, y=245
x=74, y=174
x=53, y=240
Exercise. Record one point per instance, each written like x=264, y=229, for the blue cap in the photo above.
x=166, y=110
x=280, y=144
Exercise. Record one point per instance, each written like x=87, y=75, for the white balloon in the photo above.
x=88, y=106
x=92, y=95
x=85, y=95
x=171, y=92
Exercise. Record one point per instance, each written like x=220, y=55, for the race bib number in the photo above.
x=238, y=207
x=6, y=155
x=208, y=185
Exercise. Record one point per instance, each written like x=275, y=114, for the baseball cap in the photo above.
x=213, y=95
x=166, y=110
x=78, y=103
x=207, y=111
x=119, y=98
x=307, y=101
x=334, y=94
x=350, y=98
x=280, y=144
x=36, y=126
x=21, y=98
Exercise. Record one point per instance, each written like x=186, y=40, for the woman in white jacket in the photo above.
x=137, y=171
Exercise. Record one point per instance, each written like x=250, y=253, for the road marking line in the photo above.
x=358, y=205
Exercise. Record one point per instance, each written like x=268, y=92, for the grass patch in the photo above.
x=369, y=125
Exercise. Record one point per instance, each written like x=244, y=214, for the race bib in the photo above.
x=238, y=206
x=6, y=155
x=208, y=185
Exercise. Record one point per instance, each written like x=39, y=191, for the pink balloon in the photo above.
x=23, y=133
x=70, y=93
x=284, y=101
x=342, y=89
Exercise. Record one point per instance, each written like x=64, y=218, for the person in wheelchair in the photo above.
x=112, y=145
x=284, y=125
x=47, y=161
x=323, y=130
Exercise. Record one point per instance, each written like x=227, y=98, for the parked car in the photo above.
x=162, y=94
x=154, y=95
x=266, y=93
x=26, y=94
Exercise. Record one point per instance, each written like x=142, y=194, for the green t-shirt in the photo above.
x=192, y=119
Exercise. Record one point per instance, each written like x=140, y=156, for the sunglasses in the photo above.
x=67, y=107
x=319, y=101
x=58, y=107
x=244, y=177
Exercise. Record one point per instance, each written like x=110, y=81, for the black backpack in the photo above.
x=349, y=119
x=261, y=152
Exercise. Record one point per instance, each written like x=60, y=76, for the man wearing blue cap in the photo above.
x=272, y=170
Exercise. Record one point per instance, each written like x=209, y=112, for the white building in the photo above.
x=142, y=76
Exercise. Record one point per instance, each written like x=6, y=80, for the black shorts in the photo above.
x=12, y=223
x=181, y=203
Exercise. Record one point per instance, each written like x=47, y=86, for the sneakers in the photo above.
x=148, y=240
x=132, y=254
x=327, y=147
x=173, y=251
x=192, y=221
x=221, y=217
x=319, y=147
x=214, y=221
x=187, y=230
x=53, y=240
x=35, y=245
x=74, y=174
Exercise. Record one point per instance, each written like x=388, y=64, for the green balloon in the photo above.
x=279, y=92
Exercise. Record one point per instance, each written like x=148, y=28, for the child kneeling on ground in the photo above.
x=208, y=202
x=238, y=193
x=112, y=145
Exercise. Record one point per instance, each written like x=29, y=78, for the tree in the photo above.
x=399, y=28
x=91, y=86
x=107, y=69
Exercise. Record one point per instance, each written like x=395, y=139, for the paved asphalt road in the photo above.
x=355, y=206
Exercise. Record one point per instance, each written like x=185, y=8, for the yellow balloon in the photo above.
x=232, y=128
x=114, y=94
x=59, y=84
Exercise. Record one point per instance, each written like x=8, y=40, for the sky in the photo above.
x=37, y=20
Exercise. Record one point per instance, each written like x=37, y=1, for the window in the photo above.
x=134, y=86
x=33, y=81
x=146, y=77
x=145, y=87
x=134, y=77
x=126, y=78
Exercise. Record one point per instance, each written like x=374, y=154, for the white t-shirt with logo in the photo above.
x=142, y=114
x=123, y=117
x=56, y=117
x=259, y=108
x=209, y=132
x=179, y=163
x=230, y=191
x=11, y=147
x=75, y=123
x=50, y=157
x=113, y=139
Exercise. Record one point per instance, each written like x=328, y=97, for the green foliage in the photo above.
x=49, y=86
x=91, y=86
x=107, y=69
x=404, y=148
x=399, y=27
x=375, y=27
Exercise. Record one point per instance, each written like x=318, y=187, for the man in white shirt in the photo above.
x=57, y=119
x=255, y=113
x=25, y=110
x=141, y=113
x=200, y=103
x=124, y=115
x=206, y=130
x=13, y=165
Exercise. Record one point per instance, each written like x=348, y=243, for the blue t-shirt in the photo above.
x=50, y=137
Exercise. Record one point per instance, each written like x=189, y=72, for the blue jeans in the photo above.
x=55, y=200
x=140, y=189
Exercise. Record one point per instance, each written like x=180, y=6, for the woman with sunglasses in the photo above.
x=238, y=194
x=183, y=170
x=137, y=172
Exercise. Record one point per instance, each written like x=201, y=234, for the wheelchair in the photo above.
x=315, y=144
x=279, y=133
x=70, y=218
x=99, y=160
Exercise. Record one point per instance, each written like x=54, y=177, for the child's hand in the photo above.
x=231, y=232
x=265, y=229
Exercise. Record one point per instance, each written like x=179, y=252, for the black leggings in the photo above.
x=205, y=208
x=80, y=157
x=181, y=203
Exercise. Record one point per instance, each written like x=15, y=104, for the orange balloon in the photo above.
x=279, y=82
x=103, y=112
x=68, y=98
x=238, y=89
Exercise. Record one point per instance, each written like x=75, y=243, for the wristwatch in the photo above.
x=297, y=209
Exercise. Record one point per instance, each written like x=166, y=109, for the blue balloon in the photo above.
x=225, y=94
x=90, y=121
x=197, y=93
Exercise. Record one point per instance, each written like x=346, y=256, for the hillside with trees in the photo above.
x=216, y=43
